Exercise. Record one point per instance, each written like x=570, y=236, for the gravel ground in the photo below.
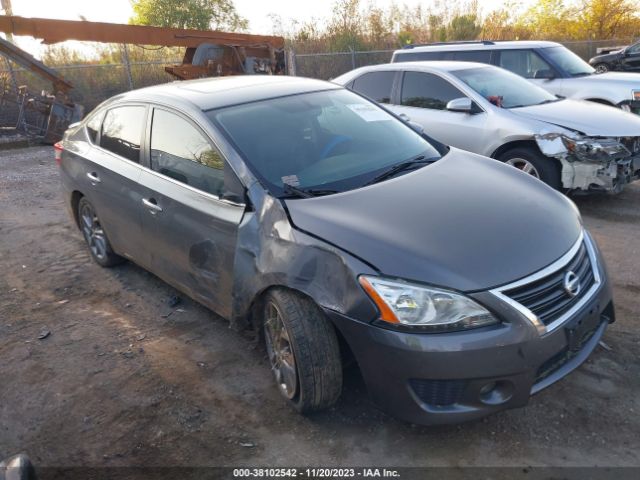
x=119, y=382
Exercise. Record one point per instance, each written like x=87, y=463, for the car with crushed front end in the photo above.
x=572, y=145
x=460, y=286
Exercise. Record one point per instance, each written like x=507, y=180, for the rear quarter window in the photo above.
x=93, y=126
x=375, y=85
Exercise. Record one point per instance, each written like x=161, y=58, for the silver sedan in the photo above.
x=569, y=144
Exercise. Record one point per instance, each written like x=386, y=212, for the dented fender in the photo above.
x=270, y=252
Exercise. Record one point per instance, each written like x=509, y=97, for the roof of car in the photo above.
x=210, y=93
x=442, y=65
x=424, y=65
x=480, y=45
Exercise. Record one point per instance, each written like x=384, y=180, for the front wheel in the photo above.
x=303, y=351
x=602, y=68
x=535, y=164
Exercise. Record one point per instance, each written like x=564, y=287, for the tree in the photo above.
x=345, y=25
x=197, y=14
x=550, y=20
x=602, y=19
x=464, y=27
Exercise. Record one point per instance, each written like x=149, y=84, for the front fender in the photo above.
x=270, y=252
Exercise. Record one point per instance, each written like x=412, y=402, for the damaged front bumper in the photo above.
x=593, y=164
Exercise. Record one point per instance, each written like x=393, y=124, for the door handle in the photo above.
x=152, y=205
x=93, y=177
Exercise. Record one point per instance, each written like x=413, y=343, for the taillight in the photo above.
x=58, y=149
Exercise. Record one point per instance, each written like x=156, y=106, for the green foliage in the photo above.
x=197, y=14
x=464, y=27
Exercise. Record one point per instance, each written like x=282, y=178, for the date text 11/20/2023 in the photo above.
x=242, y=473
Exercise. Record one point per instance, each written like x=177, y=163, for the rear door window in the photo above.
x=417, y=56
x=122, y=131
x=526, y=63
x=425, y=90
x=481, y=56
x=375, y=85
x=181, y=151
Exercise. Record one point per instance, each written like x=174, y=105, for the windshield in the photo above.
x=332, y=140
x=568, y=61
x=502, y=88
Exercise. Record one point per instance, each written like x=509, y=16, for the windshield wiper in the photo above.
x=400, y=167
x=305, y=192
x=551, y=100
x=581, y=74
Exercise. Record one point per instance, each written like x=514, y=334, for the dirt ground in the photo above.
x=120, y=382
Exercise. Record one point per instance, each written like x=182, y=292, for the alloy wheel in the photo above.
x=525, y=165
x=280, y=351
x=93, y=232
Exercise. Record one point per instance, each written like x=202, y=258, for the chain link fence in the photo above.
x=330, y=65
x=94, y=83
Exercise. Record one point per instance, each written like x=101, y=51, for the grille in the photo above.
x=438, y=392
x=546, y=297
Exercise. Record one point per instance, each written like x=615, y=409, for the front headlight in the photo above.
x=409, y=305
x=635, y=94
x=595, y=149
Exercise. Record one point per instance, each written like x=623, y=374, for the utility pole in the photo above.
x=6, y=6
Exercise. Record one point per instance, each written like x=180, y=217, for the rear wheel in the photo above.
x=303, y=351
x=535, y=164
x=94, y=235
x=602, y=68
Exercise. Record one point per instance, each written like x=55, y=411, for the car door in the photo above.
x=631, y=58
x=111, y=175
x=423, y=97
x=191, y=227
x=529, y=64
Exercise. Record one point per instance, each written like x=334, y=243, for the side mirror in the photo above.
x=462, y=105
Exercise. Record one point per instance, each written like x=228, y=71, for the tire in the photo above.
x=305, y=345
x=544, y=168
x=95, y=236
x=602, y=67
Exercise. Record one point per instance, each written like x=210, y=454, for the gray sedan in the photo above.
x=301, y=210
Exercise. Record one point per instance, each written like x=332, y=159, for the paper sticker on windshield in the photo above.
x=368, y=113
x=291, y=180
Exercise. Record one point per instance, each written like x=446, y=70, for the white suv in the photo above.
x=548, y=64
x=568, y=144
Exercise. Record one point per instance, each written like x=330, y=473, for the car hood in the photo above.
x=589, y=118
x=465, y=222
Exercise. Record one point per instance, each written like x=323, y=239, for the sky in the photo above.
x=256, y=11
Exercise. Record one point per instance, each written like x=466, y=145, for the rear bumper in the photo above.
x=449, y=378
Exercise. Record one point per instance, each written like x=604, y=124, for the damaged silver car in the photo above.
x=569, y=144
